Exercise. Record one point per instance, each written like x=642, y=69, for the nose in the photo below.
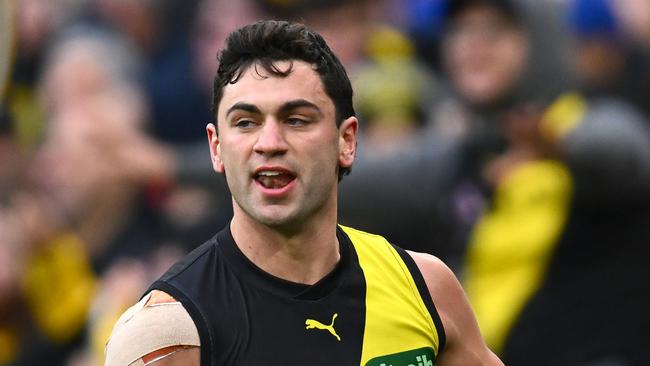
x=271, y=140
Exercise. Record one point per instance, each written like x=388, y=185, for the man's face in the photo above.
x=279, y=146
x=484, y=54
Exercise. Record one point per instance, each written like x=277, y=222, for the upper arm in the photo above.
x=465, y=345
x=156, y=331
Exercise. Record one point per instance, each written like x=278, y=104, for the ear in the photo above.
x=348, y=141
x=215, y=148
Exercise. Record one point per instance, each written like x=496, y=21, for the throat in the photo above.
x=304, y=258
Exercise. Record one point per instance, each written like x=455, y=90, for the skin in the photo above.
x=293, y=235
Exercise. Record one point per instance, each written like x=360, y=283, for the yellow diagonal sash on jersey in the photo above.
x=397, y=319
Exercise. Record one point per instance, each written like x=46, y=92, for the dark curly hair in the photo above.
x=269, y=41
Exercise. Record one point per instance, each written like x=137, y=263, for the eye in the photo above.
x=295, y=121
x=245, y=123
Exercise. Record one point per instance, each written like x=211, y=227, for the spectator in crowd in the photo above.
x=557, y=246
x=607, y=61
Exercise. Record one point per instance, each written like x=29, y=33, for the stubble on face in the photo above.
x=279, y=140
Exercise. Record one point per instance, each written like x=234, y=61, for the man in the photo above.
x=283, y=284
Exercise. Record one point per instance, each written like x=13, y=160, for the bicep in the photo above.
x=465, y=345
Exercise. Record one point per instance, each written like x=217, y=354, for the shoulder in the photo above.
x=441, y=282
x=465, y=345
x=156, y=328
x=431, y=265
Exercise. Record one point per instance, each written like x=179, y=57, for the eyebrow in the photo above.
x=246, y=107
x=286, y=107
x=298, y=103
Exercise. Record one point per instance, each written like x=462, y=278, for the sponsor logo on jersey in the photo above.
x=315, y=324
x=417, y=357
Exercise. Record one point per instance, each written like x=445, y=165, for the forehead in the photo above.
x=267, y=91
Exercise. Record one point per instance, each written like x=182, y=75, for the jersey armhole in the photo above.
x=199, y=320
x=425, y=295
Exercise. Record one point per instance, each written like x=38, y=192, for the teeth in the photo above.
x=268, y=173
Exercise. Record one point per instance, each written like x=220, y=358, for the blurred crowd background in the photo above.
x=508, y=137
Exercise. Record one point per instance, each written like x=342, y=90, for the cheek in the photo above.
x=455, y=55
x=336, y=158
x=509, y=63
x=323, y=153
x=232, y=158
x=468, y=63
x=230, y=164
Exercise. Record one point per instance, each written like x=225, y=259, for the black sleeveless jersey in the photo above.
x=372, y=309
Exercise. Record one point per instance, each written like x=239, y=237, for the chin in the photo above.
x=276, y=218
x=275, y=222
x=286, y=226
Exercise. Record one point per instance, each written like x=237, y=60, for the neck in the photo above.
x=303, y=254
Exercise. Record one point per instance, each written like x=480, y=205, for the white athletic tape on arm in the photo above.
x=145, y=329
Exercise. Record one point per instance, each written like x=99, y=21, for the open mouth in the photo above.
x=274, y=179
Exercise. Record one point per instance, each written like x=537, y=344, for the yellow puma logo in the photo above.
x=311, y=324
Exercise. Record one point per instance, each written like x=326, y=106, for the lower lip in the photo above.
x=276, y=192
